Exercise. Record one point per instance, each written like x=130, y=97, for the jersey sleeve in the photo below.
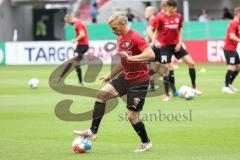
x=140, y=42
x=79, y=26
x=233, y=28
x=154, y=23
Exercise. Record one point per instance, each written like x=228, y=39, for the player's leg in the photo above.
x=235, y=73
x=78, y=68
x=231, y=68
x=67, y=68
x=81, y=50
x=151, y=82
x=111, y=90
x=154, y=68
x=140, y=129
x=172, y=80
x=191, y=65
x=192, y=72
x=237, y=68
x=228, y=79
x=135, y=102
x=165, y=59
x=166, y=82
x=187, y=59
x=106, y=93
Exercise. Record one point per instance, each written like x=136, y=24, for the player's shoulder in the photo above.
x=233, y=22
x=160, y=14
x=135, y=34
x=79, y=22
x=177, y=14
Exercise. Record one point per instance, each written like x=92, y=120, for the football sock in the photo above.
x=192, y=74
x=141, y=131
x=234, y=76
x=66, y=69
x=172, y=81
x=166, y=84
x=79, y=73
x=228, y=77
x=98, y=112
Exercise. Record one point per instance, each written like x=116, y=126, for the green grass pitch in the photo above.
x=29, y=129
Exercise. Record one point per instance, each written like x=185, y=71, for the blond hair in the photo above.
x=119, y=16
x=149, y=11
x=163, y=3
x=236, y=10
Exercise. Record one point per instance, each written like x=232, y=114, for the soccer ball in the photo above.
x=33, y=83
x=186, y=92
x=81, y=145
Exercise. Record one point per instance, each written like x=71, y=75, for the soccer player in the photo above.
x=130, y=78
x=82, y=45
x=169, y=26
x=230, y=52
x=150, y=14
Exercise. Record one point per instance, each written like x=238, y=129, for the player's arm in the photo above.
x=80, y=36
x=116, y=70
x=154, y=38
x=179, y=44
x=150, y=32
x=146, y=55
x=234, y=37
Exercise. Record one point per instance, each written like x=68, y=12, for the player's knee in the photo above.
x=191, y=64
x=238, y=68
x=71, y=61
x=78, y=58
x=133, y=118
x=231, y=67
x=101, y=96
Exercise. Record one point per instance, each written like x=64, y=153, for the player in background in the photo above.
x=130, y=78
x=230, y=52
x=150, y=13
x=82, y=45
x=168, y=26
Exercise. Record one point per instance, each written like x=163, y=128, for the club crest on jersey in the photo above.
x=136, y=101
x=177, y=20
x=126, y=45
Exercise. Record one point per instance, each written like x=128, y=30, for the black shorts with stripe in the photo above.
x=164, y=54
x=136, y=92
x=232, y=57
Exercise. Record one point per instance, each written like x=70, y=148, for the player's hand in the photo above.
x=74, y=41
x=124, y=55
x=105, y=78
x=178, y=47
x=157, y=44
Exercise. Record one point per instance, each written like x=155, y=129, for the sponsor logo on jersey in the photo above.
x=126, y=45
